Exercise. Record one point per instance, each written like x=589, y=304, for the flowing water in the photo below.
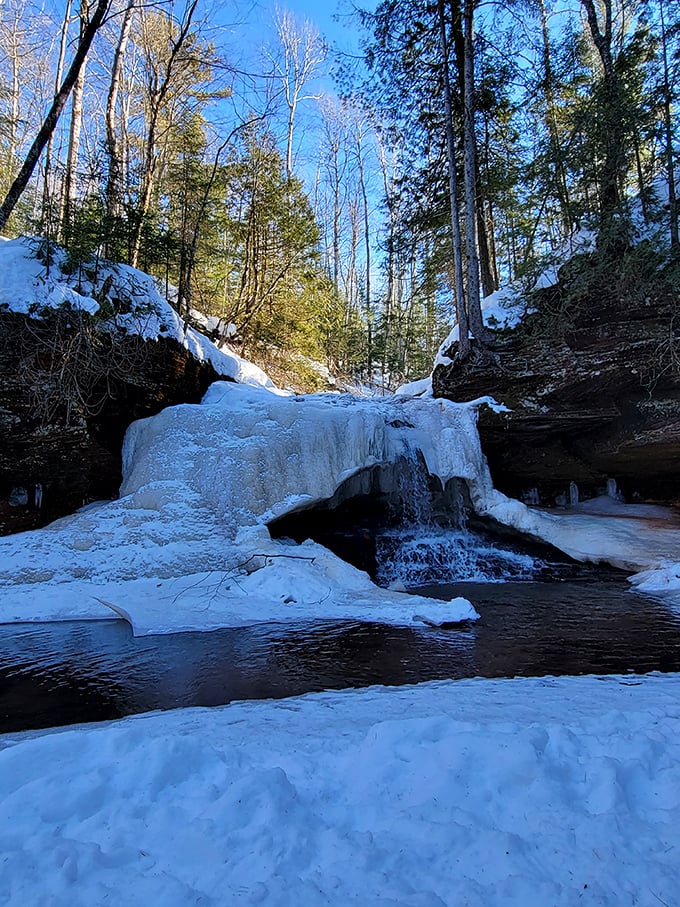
x=417, y=556
x=61, y=673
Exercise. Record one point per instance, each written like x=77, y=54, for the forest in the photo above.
x=335, y=207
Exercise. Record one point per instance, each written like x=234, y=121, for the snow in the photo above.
x=179, y=548
x=662, y=582
x=27, y=287
x=523, y=792
x=504, y=308
x=420, y=388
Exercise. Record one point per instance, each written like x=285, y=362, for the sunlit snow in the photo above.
x=515, y=793
x=27, y=284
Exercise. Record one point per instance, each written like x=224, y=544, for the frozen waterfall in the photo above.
x=187, y=543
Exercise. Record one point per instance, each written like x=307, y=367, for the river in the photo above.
x=70, y=672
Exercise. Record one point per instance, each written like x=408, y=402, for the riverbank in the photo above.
x=521, y=792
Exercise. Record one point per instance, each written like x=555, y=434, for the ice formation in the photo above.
x=187, y=542
x=201, y=482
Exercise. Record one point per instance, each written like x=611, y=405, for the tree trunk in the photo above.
x=459, y=288
x=668, y=137
x=47, y=189
x=367, y=249
x=486, y=262
x=610, y=196
x=46, y=130
x=75, y=128
x=114, y=182
x=561, y=186
x=470, y=178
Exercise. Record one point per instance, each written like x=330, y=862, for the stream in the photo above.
x=70, y=672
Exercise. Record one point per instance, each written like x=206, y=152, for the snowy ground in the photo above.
x=553, y=791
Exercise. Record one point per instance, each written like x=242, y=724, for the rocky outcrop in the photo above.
x=65, y=407
x=594, y=402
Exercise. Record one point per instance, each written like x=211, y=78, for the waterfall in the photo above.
x=432, y=545
x=418, y=556
x=413, y=483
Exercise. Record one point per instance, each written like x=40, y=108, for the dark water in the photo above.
x=57, y=674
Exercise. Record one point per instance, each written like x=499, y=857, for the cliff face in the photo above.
x=599, y=401
x=65, y=404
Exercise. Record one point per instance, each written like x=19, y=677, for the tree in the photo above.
x=76, y=125
x=167, y=64
x=303, y=51
x=419, y=52
x=666, y=35
x=462, y=313
x=96, y=16
x=114, y=152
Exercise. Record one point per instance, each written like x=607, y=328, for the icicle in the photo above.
x=612, y=489
x=573, y=494
x=531, y=497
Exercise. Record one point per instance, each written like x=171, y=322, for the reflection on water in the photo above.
x=55, y=674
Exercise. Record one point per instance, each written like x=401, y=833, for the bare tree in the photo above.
x=303, y=52
x=114, y=151
x=360, y=132
x=75, y=128
x=164, y=41
x=47, y=188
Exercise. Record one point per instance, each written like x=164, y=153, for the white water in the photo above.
x=420, y=555
x=422, y=552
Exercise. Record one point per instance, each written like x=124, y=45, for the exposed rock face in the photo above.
x=59, y=451
x=601, y=402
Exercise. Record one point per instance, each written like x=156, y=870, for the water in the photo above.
x=62, y=673
x=414, y=494
x=423, y=555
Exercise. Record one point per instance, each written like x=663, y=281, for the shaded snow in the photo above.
x=529, y=792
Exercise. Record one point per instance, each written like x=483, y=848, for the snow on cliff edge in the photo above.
x=28, y=285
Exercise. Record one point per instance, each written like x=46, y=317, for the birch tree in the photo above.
x=96, y=16
x=303, y=50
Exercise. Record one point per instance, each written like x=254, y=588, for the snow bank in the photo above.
x=529, y=792
x=662, y=582
x=27, y=285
